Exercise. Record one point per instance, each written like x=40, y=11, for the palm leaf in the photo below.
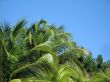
x=46, y=46
x=44, y=59
x=18, y=27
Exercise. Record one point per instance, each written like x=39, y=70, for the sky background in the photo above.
x=87, y=20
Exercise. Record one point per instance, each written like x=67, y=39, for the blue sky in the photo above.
x=87, y=20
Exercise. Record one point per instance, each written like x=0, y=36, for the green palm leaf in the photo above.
x=18, y=27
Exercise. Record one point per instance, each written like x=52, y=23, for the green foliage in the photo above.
x=90, y=64
x=99, y=61
x=45, y=53
x=101, y=76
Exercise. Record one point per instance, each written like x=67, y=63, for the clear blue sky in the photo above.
x=87, y=20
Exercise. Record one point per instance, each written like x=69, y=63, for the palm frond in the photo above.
x=46, y=58
x=46, y=46
x=18, y=27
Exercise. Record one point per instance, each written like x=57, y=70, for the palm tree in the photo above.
x=8, y=44
x=38, y=53
x=47, y=70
